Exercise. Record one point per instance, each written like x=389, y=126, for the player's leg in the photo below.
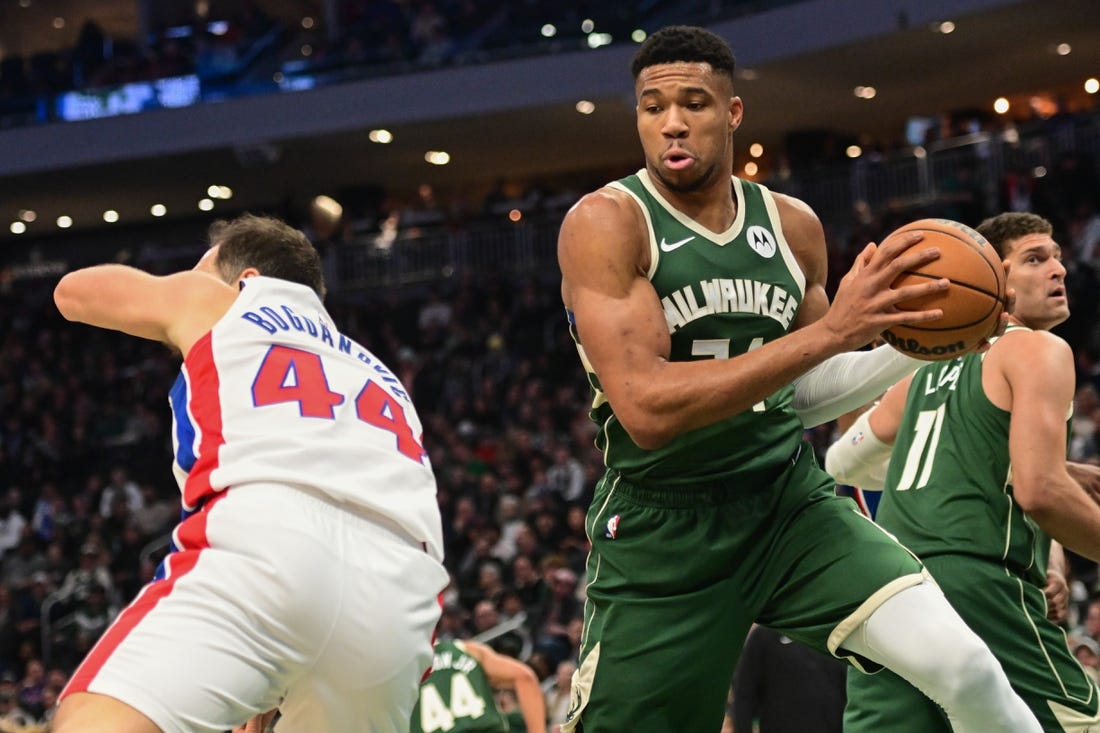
x=366, y=677
x=663, y=624
x=883, y=702
x=86, y=712
x=1010, y=616
x=189, y=653
x=917, y=634
x=839, y=573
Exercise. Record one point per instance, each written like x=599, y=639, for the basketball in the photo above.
x=972, y=305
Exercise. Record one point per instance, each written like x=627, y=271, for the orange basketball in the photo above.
x=972, y=305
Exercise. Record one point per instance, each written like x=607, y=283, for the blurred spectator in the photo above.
x=32, y=688
x=556, y=689
x=89, y=573
x=566, y=476
x=120, y=488
x=551, y=626
x=12, y=522
x=787, y=687
x=1087, y=652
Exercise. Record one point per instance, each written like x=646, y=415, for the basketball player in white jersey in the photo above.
x=306, y=570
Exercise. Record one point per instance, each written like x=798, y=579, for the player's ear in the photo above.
x=736, y=110
x=248, y=272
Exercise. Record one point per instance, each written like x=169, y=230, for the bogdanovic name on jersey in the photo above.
x=284, y=318
x=729, y=295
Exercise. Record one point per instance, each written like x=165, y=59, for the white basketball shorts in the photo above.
x=276, y=598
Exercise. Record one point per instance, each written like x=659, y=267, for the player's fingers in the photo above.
x=893, y=246
x=903, y=318
x=914, y=259
x=919, y=290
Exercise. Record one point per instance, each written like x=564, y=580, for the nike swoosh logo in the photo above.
x=669, y=246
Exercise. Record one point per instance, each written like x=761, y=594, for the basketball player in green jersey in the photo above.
x=977, y=486
x=457, y=697
x=697, y=299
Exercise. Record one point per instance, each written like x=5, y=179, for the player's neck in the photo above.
x=713, y=206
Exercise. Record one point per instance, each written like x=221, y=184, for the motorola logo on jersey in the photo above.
x=761, y=241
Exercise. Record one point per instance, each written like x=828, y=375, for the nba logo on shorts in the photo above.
x=612, y=527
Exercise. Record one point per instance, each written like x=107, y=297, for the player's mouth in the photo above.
x=1058, y=293
x=678, y=159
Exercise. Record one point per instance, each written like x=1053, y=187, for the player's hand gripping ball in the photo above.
x=973, y=303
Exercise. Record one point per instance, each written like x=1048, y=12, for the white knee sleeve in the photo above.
x=919, y=636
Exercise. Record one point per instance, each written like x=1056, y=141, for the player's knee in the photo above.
x=970, y=675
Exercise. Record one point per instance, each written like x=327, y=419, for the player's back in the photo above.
x=949, y=485
x=456, y=697
x=275, y=394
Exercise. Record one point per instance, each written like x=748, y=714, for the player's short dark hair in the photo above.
x=273, y=247
x=1010, y=226
x=685, y=43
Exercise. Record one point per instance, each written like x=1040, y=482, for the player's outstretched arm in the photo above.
x=506, y=672
x=603, y=254
x=1038, y=369
x=861, y=455
x=176, y=309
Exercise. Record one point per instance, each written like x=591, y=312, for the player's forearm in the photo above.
x=531, y=704
x=1065, y=513
x=678, y=397
x=848, y=380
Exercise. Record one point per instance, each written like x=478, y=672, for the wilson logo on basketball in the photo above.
x=915, y=348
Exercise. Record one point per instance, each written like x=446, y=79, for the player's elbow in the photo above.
x=647, y=432
x=1036, y=497
x=646, y=415
x=66, y=296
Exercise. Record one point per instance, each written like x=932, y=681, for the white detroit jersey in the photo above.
x=275, y=394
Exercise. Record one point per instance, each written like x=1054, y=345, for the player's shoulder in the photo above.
x=1030, y=352
x=801, y=224
x=609, y=218
x=605, y=206
x=1019, y=340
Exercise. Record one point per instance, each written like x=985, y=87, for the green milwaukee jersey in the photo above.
x=456, y=697
x=949, y=484
x=723, y=294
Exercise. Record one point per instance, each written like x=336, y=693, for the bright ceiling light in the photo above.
x=437, y=157
x=549, y=30
x=307, y=22
x=756, y=150
x=946, y=27
x=637, y=35
x=380, y=136
x=1092, y=86
x=1063, y=49
x=28, y=215
x=206, y=204
x=64, y=222
x=588, y=25
x=585, y=107
x=110, y=216
x=17, y=227
x=863, y=92
x=595, y=40
x=158, y=210
x=1000, y=105
x=751, y=168
x=853, y=151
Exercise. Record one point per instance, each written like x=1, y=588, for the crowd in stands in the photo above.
x=241, y=43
